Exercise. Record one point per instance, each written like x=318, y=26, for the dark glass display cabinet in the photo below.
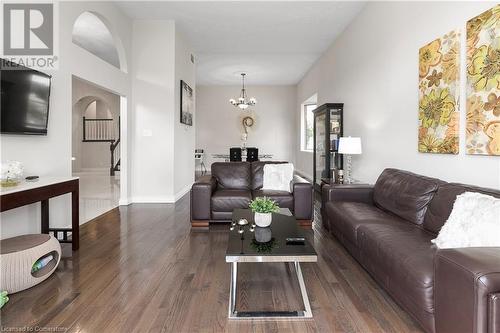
x=328, y=128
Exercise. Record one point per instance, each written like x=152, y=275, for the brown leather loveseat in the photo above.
x=234, y=184
x=388, y=228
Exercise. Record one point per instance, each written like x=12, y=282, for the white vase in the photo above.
x=263, y=219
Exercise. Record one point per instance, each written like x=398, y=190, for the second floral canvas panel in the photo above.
x=483, y=83
x=439, y=89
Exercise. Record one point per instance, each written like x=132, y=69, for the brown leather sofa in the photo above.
x=388, y=228
x=234, y=184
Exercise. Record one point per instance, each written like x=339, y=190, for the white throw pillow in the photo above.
x=278, y=177
x=473, y=222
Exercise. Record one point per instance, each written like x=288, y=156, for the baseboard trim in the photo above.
x=182, y=192
x=162, y=199
x=158, y=199
x=124, y=202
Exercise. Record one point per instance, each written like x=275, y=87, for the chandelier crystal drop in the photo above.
x=243, y=102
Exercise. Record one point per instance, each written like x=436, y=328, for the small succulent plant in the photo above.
x=264, y=205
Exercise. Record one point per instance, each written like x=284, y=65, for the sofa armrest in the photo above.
x=201, y=194
x=302, y=198
x=346, y=192
x=466, y=289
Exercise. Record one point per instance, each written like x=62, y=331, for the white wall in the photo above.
x=218, y=123
x=51, y=154
x=184, y=141
x=163, y=149
x=153, y=88
x=373, y=68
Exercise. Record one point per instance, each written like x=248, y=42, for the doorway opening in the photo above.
x=96, y=147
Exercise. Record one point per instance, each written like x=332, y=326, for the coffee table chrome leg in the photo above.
x=305, y=299
x=232, y=290
x=234, y=314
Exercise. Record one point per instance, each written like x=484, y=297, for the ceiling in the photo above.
x=274, y=42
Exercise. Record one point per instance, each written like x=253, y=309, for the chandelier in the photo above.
x=242, y=102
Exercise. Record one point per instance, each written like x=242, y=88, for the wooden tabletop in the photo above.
x=42, y=181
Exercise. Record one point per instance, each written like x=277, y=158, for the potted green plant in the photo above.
x=263, y=208
x=11, y=173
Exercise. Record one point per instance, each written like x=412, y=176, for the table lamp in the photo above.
x=349, y=146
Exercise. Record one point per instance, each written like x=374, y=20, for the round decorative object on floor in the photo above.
x=27, y=260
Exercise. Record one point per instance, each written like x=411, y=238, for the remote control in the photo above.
x=295, y=240
x=31, y=178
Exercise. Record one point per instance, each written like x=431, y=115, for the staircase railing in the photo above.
x=104, y=130
x=98, y=130
x=115, y=157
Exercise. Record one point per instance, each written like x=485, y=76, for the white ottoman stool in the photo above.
x=17, y=256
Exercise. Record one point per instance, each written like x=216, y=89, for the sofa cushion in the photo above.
x=258, y=173
x=441, y=205
x=405, y=194
x=232, y=175
x=347, y=217
x=283, y=199
x=401, y=257
x=227, y=200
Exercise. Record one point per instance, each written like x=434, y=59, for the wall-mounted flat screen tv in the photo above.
x=25, y=95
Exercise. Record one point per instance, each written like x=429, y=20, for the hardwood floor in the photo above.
x=141, y=269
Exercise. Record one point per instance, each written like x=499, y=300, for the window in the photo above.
x=308, y=127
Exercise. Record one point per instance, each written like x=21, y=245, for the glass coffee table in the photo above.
x=272, y=247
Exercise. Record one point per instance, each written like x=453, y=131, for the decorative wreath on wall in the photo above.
x=247, y=120
x=247, y=123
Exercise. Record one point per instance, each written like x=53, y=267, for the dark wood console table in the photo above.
x=41, y=191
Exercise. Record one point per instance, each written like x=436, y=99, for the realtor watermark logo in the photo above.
x=28, y=35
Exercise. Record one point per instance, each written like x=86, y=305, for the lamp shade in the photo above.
x=350, y=146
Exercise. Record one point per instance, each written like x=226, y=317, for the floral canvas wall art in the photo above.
x=439, y=90
x=483, y=83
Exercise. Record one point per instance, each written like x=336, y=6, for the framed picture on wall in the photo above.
x=483, y=84
x=439, y=95
x=187, y=104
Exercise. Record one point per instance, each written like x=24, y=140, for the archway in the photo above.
x=96, y=147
